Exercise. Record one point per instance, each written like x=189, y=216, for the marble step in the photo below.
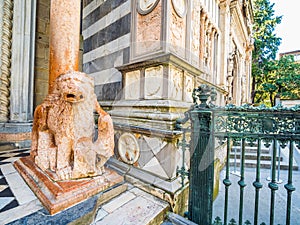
x=253, y=156
x=250, y=149
x=133, y=207
x=265, y=164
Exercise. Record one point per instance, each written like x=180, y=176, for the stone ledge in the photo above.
x=170, y=191
x=15, y=132
x=171, y=186
x=174, y=219
x=170, y=134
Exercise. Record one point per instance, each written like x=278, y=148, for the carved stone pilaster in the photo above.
x=22, y=61
x=202, y=36
x=230, y=75
x=6, y=41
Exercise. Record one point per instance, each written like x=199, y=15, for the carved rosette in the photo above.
x=180, y=7
x=6, y=59
x=146, y=6
x=128, y=148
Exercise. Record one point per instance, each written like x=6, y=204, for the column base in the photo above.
x=59, y=195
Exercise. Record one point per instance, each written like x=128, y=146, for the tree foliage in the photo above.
x=280, y=77
x=266, y=42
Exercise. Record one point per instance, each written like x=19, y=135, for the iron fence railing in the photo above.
x=213, y=126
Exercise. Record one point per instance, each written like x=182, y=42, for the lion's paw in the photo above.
x=64, y=173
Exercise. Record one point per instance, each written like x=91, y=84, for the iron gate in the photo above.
x=213, y=126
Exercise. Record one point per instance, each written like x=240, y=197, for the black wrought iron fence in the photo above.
x=213, y=126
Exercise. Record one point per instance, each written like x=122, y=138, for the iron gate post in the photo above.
x=202, y=168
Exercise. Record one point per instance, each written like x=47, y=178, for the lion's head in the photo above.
x=74, y=87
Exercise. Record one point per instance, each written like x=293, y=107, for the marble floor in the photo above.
x=16, y=198
x=7, y=198
x=19, y=205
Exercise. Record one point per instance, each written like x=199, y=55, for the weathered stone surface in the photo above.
x=132, y=90
x=148, y=31
x=177, y=34
x=63, y=130
x=57, y=196
x=175, y=83
x=154, y=81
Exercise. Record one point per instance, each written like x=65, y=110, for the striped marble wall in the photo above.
x=106, y=34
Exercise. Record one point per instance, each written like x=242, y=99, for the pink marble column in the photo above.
x=64, y=38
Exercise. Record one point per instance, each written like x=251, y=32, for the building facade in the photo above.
x=295, y=53
x=146, y=57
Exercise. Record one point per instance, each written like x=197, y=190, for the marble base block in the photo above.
x=59, y=195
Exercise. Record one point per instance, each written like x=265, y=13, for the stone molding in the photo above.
x=6, y=46
x=22, y=71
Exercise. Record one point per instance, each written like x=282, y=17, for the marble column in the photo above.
x=64, y=38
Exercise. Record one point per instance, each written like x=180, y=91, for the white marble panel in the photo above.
x=154, y=166
x=175, y=83
x=105, y=21
x=154, y=83
x=19, y=188
x=155, y=144
x=109, y=48
x=188, y=88
x=118, y=202
x=132, y=85
x=139, y=211
x=106, y=76
x=20, y=211
x=100, y=215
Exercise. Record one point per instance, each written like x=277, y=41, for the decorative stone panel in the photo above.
x=175, y=84
x=188, y=85
x=195, y=32
x=148, y=31
x=154, y=82
x=177, y=34
x=155, y=154
x=132, y=81
x=155, y=167
x=169, y=158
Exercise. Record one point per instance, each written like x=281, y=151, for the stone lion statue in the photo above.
x=63, y=130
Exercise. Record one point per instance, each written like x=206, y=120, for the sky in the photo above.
x=289, y=29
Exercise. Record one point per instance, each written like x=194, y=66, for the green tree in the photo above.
x=280, y=77
x=266, y=43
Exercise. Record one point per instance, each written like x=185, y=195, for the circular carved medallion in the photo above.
x=128, y=148
x=180, y=7
x=146, y=6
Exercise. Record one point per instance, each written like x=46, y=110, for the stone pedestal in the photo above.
x=57, y=196
x=157, y=87
x=156, y=92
